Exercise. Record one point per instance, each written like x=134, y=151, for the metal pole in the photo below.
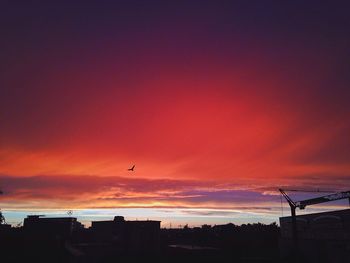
x=294, y=231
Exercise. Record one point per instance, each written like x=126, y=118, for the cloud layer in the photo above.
x=90, y=192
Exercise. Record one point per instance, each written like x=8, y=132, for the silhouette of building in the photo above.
x=322, y=237
x=62, y=227
x=128, y=235
x=57, y=240
x=5, y=227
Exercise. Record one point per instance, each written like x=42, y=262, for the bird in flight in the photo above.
x=132, y=168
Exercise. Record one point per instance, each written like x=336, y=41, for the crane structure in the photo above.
x=313, y=201
x=302, y=205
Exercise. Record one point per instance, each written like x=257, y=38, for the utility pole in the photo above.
x=293, y=207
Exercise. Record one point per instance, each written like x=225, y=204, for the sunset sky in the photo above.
x=217, y=103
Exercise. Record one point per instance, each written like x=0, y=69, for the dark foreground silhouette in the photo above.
x=322, y=238
x=54, y=240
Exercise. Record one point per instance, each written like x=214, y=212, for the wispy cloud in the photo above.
x=108, y=192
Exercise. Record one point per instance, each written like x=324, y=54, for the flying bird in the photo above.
x=132, y=168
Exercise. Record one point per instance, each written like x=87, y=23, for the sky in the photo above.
x=217, y=103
